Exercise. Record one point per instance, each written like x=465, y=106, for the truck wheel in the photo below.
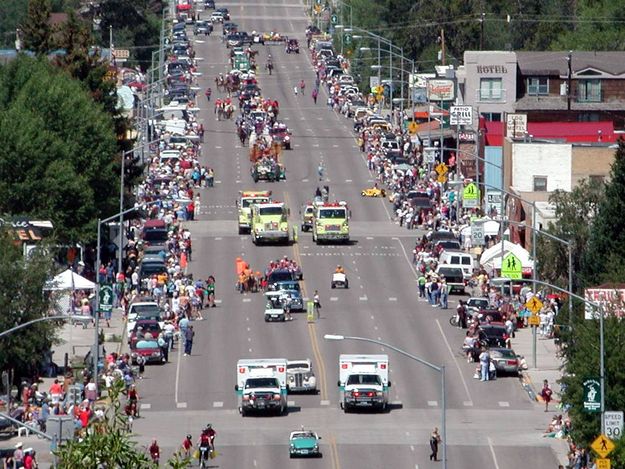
x=333, y=285
x=346, y=284
x=241, y=230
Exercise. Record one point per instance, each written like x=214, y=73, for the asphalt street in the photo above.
x=490, y=425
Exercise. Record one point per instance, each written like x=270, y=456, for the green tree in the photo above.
x=574, y=212
x=36, y=29
x=57, y=150
x=604, y=251
x=12, y=14
x=109, y=444
x=22, y=300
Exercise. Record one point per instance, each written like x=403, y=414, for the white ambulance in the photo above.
x=363, y=381
x=261, y=385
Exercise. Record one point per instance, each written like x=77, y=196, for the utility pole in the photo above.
x=442, y=46
x=568, y=81
x=482, y=15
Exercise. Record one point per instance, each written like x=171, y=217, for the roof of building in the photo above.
x=567, y=132
x=556, y=63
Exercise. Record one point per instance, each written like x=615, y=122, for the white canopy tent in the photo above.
x=69, y=280
x=491, y=257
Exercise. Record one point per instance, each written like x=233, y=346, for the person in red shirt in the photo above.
x=155, y=451
x=29, y=459
x=85, y=416
x=187, y=445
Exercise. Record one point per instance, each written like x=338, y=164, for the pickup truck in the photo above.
x=454, y=278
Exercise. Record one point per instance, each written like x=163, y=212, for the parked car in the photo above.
x=148, y=349
x=150, y=326
x=203, y=27
x=493, y=335
x=505, y=360
x=453, y=276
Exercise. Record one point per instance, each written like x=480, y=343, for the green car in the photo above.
x=304, y=443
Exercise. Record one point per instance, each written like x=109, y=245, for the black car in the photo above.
x=225, y=12
x=203, y=27
x=209, y=4
x=453, y=276
x=493, y=335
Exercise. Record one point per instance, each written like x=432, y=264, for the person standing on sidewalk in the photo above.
x=435, y=440
x=315, y=93
x=444, y=294
x=484, y=364
x=188, y=342
x=546, y=393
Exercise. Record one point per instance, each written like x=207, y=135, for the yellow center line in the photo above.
x=312, y=330
x=334, y=450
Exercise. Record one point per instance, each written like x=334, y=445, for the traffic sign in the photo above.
x=441, y=168
x=477, y=234
x=317, y=8
x=461, y=115
x=412, y=128
x=106, y=298
x=430, y=154
x=603, y=463
x=121, y=53
x=533, y=320
x=592, y=396
x=603, y=446
x=442, y=178
x=334, y=19
x=471, y=192
x=613, y=424
x=511, y=267
x=347, y=39
x=534, y=305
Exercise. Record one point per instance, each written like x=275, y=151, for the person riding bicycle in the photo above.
x=155, y=451
x=339, y=270
x=206, y=442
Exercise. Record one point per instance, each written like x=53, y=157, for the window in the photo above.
x=589, y=91
x=538, y=86
x=490, y=89
x=596, y=180
x=491, y=116
x=540, y=183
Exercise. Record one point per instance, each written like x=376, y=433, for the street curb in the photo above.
x=528, y=385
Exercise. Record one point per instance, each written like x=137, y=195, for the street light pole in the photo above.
x=440, y=369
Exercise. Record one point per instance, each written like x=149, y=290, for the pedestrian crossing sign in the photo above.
x=471, y=192
x=511, y=267
x=603, y=446
x=534, y=305
x=603, y=463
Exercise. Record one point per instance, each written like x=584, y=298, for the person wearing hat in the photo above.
x=18, y=455
x=29, y=459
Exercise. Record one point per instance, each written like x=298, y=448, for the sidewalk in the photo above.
x=548, y=367
x=75, y=341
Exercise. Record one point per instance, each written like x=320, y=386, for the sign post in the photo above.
x=470, y=196
x=106, y=299
x=602, y=446
x=511, y=267
x=461, y=115
x=613, y=424
x=592, y=395
x=477, y=234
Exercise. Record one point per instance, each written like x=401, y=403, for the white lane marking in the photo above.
x=255, y=464
x=238, y=181
x=178, y=376
x=432, y=403
x=218, y=147
x=467, y=403
x=504, y=404
x=392, y=298
x=217, y=182
x=372, y=317
x=145, y=406
x=335, y=146
x=348, y=180
x=369, y=237
x=291, y=403
x=218, y=238
x=246, y=300
x=319, y=118
x=181, y=405
x=396, y=403
x=304, y=180
x=453, y=358
x=324, y=402
x=334, y=298
x=412, y=448
x=218, y=404
x=492, y=452
x=217, y=302
x=363, y=298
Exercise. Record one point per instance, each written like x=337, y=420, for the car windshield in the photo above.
x=289, y=286
x=363, y=379
x=332, y=213
x=247, y=202
x=292, y=366
x=494, y=331
x=503, y=353
x=261, y=383
x=146, y=344
x=270, y=211
x=448, y=272
x=280, y=276
x=155, y=235
x=303, y=435
x=146, y=310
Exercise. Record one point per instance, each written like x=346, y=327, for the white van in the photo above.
x=457, y=259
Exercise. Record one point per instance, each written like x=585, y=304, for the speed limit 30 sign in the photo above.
x=613, y=423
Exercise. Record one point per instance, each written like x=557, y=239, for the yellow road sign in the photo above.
x=511, y=267
x=442, y=178
x=602, y=446
x=533, y=320
x=603, y=463
x=441, y=168
x=471, y=192
x=534, y=305
x=413, y=127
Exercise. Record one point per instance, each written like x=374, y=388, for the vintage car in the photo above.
x=300, y=376
x=265, y=171
x=373, y=192
x=292, y=45
x=273, y=307
x=307, y=213
x=281, y=135
x=304, y=443
x=339, y=279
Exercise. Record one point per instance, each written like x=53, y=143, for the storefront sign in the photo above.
x=441, y=90
x=466, y=137
x=500, y=69
x=516, y=125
